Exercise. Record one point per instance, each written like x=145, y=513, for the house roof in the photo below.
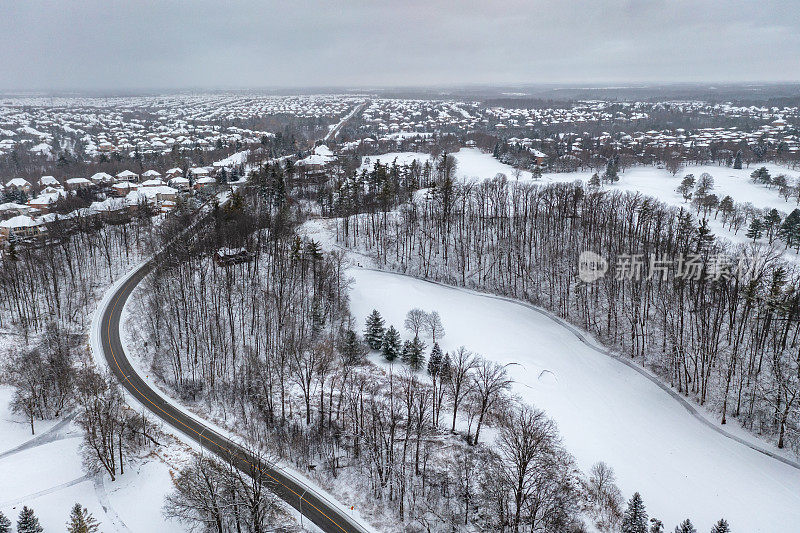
x=19, y=221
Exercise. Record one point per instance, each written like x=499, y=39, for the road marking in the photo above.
x=202, y=437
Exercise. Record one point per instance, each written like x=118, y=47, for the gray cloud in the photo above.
x=111, y=45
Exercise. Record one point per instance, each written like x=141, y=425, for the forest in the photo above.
x=726, y=336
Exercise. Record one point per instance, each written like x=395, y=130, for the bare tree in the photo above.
x=433, y=326
x=489, y=381
x=461, y=365
x=604, y=497
x=415, y=320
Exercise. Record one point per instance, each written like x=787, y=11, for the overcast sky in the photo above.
x=130, y=45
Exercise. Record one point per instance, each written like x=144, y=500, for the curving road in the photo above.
x=324, y=514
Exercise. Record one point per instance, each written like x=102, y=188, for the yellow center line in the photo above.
x=200, y=435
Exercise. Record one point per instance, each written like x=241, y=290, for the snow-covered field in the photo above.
x=605, y=410
x=648, y=180
x=46, y=475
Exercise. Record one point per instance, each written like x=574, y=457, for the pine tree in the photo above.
x=788, y=229
x=755, y=230
x=27, y=522
x=726, y=206
x=374, y=332
x=351, y=348
x=414, y=356
x=656, y=526
x=772, y=222
x=391, y=344
x=737, y=162
x=635, y=518
x=81, y=521
x=704, y=236
x=762, y=176
x=444, y=373
x=686, y=186
x=435, y=361
x=685, y=527
x=594, y=181
x=721, y=527
x=5, y=524
x=612, y=170
x=405, y=353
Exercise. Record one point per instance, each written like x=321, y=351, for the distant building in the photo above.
x=127, y=175
x=19, y=184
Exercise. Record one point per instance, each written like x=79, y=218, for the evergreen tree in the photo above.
x=374, y=332
x=755, y=230
x=414, y=353
x=686, y=186
x=789, y=232
x=704, y=236
x=721, y=527
x=762, y=176
x=5, y=524
x=685, y=527
x=726, y=206
x=81, y=521
x=435, y=361
x=351, y=348
x=278, y=188
x=391, y=344
x=27, y=522
x=635, y=518
x=594, y=181
x=737, y=162
x=612, y=170
x=656, y=526
x=405, y=353
x=772, y=222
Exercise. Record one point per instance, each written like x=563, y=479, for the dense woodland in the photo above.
x=47, y=291
x=269, y=344
x=727, y=341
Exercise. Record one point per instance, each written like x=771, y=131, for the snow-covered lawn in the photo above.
x=605, y=410
x=472, y=163
x=659, y=183
x=47, y=476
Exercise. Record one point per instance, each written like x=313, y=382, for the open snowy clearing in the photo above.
x=649, y=180
x=48, y=477
x=605, y=410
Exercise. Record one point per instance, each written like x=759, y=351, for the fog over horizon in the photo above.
x=133, y=46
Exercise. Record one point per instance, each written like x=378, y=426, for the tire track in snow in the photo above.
x=51, y=435
x=45, y=492
x=102, y=496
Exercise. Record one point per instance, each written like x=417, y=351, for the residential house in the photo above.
x=127, y=175
x=19, y=184
x=20, y=227
x=74, y=184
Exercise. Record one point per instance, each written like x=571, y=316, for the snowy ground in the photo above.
x=605, y=410
x=649, y=180
x=45, y=473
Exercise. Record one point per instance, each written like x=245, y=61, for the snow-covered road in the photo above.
x=605, y=410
